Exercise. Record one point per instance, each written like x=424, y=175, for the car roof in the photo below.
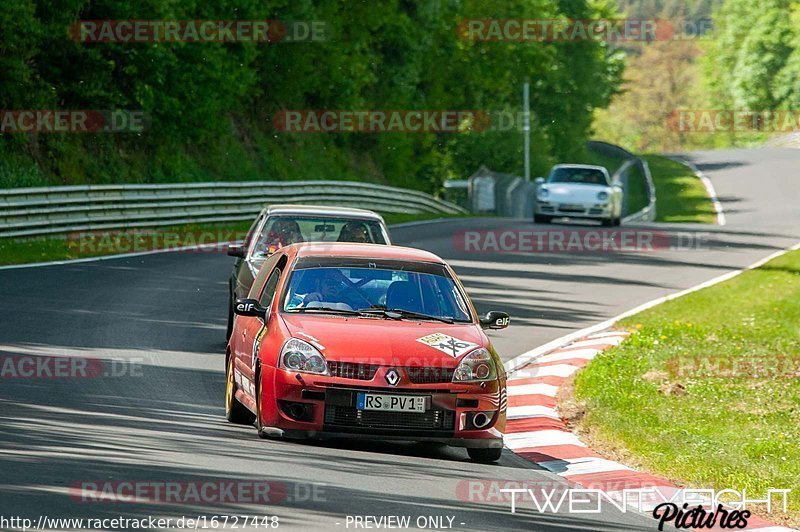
x=582, y=166
x=370, y=251
x=322, y=210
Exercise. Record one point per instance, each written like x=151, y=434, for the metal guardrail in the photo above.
x=59, y=210
x=622, y=175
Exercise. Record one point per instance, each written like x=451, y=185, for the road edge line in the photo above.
x=709, y=186
x=529, y=356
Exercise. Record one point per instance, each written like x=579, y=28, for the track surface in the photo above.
x=165, y=312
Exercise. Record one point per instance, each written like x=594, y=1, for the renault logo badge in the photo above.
x=392, y=377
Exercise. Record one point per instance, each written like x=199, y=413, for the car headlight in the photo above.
x=301, y=356
x=543, y=193
x=477, y=366
x=602, y=196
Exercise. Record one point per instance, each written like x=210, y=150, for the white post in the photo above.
x=526, y=128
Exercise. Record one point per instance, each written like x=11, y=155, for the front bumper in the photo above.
x=309, y=406
x=574, y=210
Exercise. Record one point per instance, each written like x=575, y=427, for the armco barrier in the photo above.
x=59, y=210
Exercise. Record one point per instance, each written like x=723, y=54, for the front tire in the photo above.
x=235, y=412
x=542, y=219
x=259, y=427
x=485, y=456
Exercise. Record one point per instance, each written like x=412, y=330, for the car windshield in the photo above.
x=586, y=176
x=281, y=231
x=414, y=290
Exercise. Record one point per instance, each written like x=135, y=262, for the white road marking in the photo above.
x=586, y=354
x=582, y=466
x=521, y=412
x=709, y=186
x=541, y=438
x=526, y=358
x=533, y=389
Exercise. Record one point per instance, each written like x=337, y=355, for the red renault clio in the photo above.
x=364, y=340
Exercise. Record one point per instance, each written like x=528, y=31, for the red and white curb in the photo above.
x=535, y=430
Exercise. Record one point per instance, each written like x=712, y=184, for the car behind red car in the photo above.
x=364, y=340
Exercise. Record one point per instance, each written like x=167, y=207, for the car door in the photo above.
x=254, y=330
x=240, y=334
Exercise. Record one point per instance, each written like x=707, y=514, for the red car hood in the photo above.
x=387, y=342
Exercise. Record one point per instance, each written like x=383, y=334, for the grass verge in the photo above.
x=680, y=195
x=45, y=249
x=707, y=392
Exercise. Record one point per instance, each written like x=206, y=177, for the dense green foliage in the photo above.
x=749, y=61
x=210, y=105
x=754, y=61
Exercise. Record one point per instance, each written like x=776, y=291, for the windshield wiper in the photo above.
x=399, y=313
x=330, y=310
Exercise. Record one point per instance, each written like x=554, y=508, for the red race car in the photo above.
x=363, y=340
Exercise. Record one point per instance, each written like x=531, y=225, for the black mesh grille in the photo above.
x=351, y=370
x=430, y=375
x=344, y=416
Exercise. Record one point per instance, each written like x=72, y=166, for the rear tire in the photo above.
x=235, y=412
x=542, y=219
x=485, y=456
x=617, y=221
x=607, y=222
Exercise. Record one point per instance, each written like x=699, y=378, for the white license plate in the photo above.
x=394, y=403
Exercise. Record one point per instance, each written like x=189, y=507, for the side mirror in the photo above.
x=495, y=320
x=236, y=250
x=249, y=307
x=539, y=181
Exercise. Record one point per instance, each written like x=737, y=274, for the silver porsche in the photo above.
x=578, y=191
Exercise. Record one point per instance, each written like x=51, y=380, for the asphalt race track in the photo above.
x=162, y=417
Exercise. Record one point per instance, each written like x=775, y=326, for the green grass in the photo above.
x=680, y=195
x=44, y=249
x=735, y=421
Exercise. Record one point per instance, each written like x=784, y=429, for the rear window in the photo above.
x=282, y=231
x=587, y=176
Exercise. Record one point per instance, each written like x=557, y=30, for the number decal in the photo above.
x=447, y=344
